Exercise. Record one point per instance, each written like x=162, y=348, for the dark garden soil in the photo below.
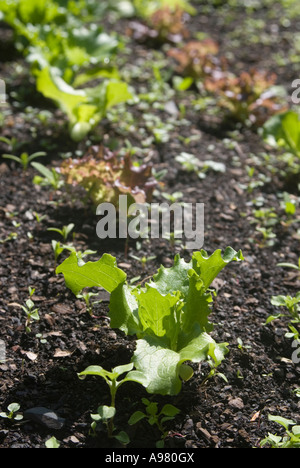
x=41, y=366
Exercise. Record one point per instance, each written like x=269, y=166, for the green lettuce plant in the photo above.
x=282, y=131
x=168, y=316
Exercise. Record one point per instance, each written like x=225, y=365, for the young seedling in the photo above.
x=39, y=217
x=292, y=305
x=12, y=412
x=143, y=260
x=12, y=236
x=11, y=142
x=64, y=232
x=31, y=314
x=291, y=438
x=57, y=249
x=25, y=159
x=105, y=413
x=155, y=417
x=87, y=299
x=48, y=177
x=290, y=265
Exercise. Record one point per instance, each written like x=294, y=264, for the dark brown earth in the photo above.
x=261, y=376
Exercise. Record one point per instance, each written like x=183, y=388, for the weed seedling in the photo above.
x=292, y=305
x=12, y=412
x=155, y=417
x=25, y=159
x=143, y=260
x=31, y=314
x=105, y=413
x=87, y=299
x=12, y=236
x=291, y=438
x=57, y=249
x=290, y=265
x=48, y=177
x=64, y=232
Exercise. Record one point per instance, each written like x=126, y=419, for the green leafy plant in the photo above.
x=84, y=107
x=155, y=417
x=67, y=50
x=25, y=159
x=169, y=316
x=282, y=131
x=291, y=438
x=12, y=412
x=105, y=413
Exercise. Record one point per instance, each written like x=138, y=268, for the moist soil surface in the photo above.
x=41, y=366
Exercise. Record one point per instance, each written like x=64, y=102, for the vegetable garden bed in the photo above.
x=167, y=131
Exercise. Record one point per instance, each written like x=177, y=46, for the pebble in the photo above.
x=236, y=403
x=44, y=416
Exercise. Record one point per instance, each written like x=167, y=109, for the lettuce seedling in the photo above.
x=164, y=25
x=105, y=175
x=249, y=97
x=282, y=131
x=169, y=316
x=198, y=59
x=83, y=107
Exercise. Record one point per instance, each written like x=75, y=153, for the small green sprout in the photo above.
x=290, y=265
x=87, y=299
x=31, y=314
x=57, y=249
x=25, y=159
x=143, y=260
x=12, y=412
x=11, y=237
x=52, y=443
x=155, y=417
x=291, y=438
x=64, y=232
x=289, y=302
x=11, y=142
x=105, y=413
x=49, y=177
